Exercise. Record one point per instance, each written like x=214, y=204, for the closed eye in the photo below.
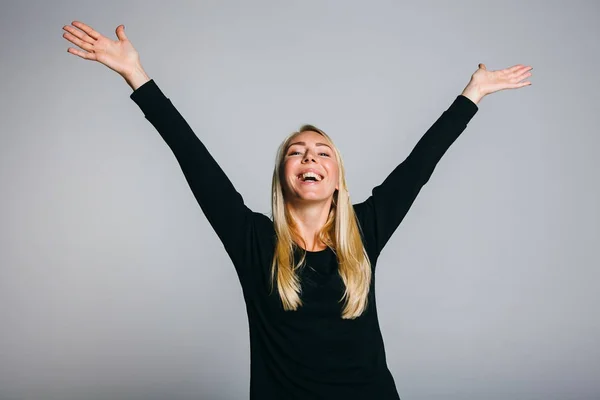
x=297, y=152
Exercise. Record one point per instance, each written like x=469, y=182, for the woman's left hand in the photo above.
x=484, y=82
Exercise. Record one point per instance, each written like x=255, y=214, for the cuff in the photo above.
x=148, y=96
x=464, y=107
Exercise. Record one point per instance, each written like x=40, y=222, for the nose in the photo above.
x=308, y=157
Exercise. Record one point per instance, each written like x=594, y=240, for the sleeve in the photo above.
x=222, y=205
x=382, y=212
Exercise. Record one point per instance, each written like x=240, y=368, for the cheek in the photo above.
x=286, y=169
x=286, y=174
x=333, y=171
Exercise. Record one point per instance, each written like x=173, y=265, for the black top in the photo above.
x=311, y=353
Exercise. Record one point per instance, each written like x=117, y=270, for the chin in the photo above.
x=316, y=198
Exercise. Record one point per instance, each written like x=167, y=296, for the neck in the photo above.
x=309, y=220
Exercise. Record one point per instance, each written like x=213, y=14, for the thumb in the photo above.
x=482, y=66
x=121, y=32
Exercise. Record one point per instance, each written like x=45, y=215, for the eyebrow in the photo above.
x=304, y=144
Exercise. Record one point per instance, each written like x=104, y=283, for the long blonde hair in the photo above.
x=341, y=233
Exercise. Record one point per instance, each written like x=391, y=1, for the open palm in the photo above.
x=508, y=78
x=119, y=55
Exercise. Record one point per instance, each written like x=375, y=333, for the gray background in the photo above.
x=114, y=286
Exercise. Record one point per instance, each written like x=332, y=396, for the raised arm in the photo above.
x=389, y=202
x=220, y=202
x=222, y=205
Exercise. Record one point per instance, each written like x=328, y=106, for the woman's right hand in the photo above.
x=118, y=55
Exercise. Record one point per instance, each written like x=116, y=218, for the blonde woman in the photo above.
x=307, y=275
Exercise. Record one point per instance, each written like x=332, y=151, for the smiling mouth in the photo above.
x=310, y=177
x=309, y=181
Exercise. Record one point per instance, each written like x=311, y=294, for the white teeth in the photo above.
x=310, y=174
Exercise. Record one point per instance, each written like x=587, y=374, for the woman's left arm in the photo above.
x=389, y=202
x=484, y=82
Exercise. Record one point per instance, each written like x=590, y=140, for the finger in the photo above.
x=121, y=32
x=87, y=29
x=523, y=76
x=519, y=74
x=514, y=68
x=84, y=45
x=519, y=84
x=83, y=54
x=80, y=34
x=522, y=69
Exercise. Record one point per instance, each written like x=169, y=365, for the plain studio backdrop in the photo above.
x=113, y=284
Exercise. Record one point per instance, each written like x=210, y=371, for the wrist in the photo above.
x=136, y=77
x=473, y=93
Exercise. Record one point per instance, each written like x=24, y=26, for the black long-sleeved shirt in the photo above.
x=311, y=353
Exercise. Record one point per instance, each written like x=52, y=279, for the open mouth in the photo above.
x=310, y=177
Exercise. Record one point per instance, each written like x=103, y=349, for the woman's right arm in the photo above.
x=222, y=205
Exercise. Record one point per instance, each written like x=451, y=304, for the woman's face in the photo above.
x=310, y=168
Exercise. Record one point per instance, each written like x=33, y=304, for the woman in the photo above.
x=307, y=275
